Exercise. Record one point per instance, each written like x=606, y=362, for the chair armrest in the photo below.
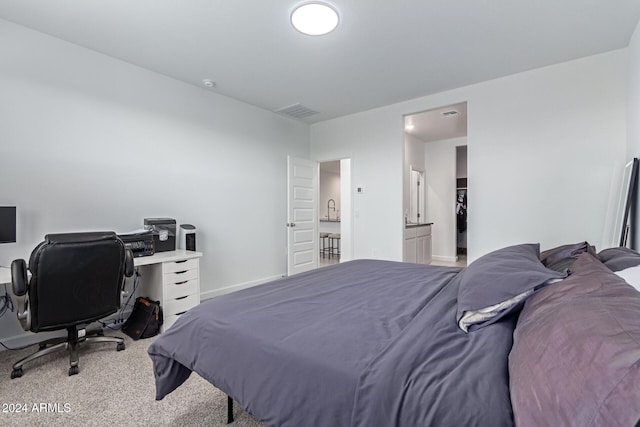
x=19, y=282
x=19, y=277
x=128, y=262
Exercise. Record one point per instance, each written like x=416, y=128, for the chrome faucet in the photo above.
x=329, y=207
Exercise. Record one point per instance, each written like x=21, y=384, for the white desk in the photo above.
x=169, y=256
x=173, y=278
x=5, y=275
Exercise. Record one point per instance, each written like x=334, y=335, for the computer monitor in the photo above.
x=7, y=224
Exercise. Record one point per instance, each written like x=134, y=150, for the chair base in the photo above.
x=74, y=338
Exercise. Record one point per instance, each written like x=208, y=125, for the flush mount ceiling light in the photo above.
x=209, y=83
x=314, y=18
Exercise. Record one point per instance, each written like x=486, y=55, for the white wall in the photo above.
x=441, y=165
x=633, y=112
x=89, y=143
x=346, y=212
x=376, y=167
x=543, y=147
x=633, y=91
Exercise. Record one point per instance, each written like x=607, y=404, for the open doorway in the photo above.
x=435, y=143
x=461, y=202
x=316, y=208
x=334, y=212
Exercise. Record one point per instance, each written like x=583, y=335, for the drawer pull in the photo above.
x=181, y=261
x=182, y=312
x=181, y=283
x=181, y=272
x=179, y=298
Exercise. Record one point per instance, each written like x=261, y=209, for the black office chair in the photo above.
x=76, y=279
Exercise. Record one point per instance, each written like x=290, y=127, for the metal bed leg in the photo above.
x=229, y=409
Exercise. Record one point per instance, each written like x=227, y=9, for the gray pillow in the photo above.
x=619, y=258
x=497, y=284
x=576, y=352
x=562, y=257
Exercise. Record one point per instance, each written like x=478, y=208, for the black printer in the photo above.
x=140, y=242
x=164, y=233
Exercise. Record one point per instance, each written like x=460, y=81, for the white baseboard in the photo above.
x=444, y=258
x=228, y=289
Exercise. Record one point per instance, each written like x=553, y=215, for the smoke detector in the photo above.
x=209, y=83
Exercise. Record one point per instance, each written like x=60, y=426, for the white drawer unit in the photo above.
x=173, y=290
x=417, y=244
x=173, y=279
x=177, y=306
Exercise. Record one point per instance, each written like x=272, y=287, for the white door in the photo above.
x=302, y=215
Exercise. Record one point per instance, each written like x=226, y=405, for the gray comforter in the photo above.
x=363, y=343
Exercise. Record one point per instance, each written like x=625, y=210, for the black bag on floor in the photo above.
x=145, y=319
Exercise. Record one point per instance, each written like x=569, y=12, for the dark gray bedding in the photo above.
x=433, y=374
x=362, y=343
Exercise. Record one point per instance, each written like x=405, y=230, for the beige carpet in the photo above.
x=112, y=389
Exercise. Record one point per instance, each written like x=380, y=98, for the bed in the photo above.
x=382, y=343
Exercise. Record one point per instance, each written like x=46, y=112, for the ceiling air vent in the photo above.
x=297, y=111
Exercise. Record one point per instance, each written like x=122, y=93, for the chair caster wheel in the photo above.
x=73, y=370
x=120, y=346
x=16, y=373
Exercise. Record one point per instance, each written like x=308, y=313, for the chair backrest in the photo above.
x=76, y=278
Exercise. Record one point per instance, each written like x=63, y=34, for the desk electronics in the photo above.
x=7, y=224
x=140, y=243
x=164, y=233
x=187, y=237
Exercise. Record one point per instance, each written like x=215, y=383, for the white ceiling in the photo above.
x=382, y=52
x=439, y=123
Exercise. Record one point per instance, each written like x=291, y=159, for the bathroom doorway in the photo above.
x=434, y=142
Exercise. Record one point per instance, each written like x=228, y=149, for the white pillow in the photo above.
x=631, y=275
